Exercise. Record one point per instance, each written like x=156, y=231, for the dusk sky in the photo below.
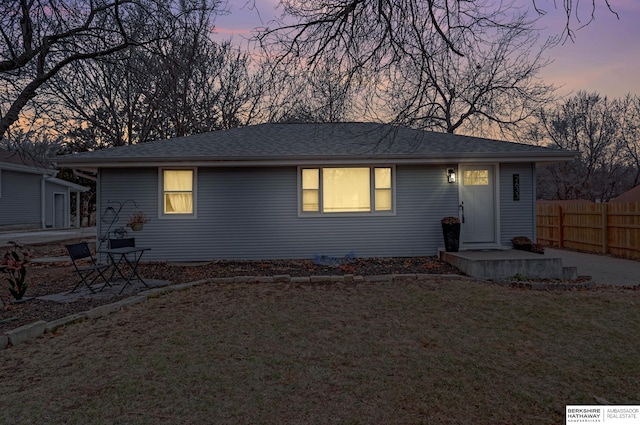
x=604, y=56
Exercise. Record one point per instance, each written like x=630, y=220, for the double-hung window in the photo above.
x=329, y=190
x=178, y=192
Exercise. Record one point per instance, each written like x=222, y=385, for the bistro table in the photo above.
x=129, y=256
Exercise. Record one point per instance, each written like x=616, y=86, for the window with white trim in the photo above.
x=178, y=192
x=330, y=190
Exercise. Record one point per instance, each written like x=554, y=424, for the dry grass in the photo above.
x=433, y=352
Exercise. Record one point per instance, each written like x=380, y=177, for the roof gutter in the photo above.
x=538, y=158
x=27, y=169
x=86, y=174
x=73, y=186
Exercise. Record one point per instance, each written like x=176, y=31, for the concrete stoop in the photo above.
x=504, y=264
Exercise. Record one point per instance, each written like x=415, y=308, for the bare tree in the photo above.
x=33, y=147
x=630, y=135
x=493, y=85
x=99, y=102
x=359, y=33
x=590, y=124
x=577, y=13
x=202, y=88
x=295, y=93
x=181, y=85
x=39, y=38
x=240, y=89
x=443, y=64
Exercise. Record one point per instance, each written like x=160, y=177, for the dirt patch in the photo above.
x=46, y=278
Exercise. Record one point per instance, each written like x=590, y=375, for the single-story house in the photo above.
x=31, y=196
x=295, y=190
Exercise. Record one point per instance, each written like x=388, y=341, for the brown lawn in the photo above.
x=434, y=351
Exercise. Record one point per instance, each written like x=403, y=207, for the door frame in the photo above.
x=496, y=207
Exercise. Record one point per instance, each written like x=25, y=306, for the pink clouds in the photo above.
x=245, y=16
x=604, y=56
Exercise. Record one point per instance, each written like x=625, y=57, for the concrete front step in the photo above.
x=504, y=264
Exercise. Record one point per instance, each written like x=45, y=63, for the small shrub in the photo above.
x=518, y=277
x=13, y=263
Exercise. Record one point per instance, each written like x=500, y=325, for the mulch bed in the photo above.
x=52, y=278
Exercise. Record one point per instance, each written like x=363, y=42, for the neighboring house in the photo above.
x=631, y=195
x=32, y=196
x=281, y=191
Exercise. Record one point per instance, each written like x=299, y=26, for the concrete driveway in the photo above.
x=47, y=235
x=603, y=269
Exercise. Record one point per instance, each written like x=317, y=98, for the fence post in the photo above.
x=605, y=229
x=560, y=230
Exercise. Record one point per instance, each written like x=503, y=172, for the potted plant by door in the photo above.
x=451, y=233
x=522, y=243
x=137, y=221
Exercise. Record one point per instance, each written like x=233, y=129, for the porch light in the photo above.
x=451, y=175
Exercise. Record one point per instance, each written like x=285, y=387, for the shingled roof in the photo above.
x=632, y=195
x=17, y=162
x=299, y=143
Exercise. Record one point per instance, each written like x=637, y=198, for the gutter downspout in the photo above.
x=42, y=202
x=78, y=216
x=535, y=202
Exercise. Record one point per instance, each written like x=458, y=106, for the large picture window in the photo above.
x=178, y=192
x=331, y=190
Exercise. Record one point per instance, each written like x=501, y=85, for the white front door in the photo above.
x=477, y=202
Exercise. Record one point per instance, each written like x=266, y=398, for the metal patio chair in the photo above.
x=90, y=272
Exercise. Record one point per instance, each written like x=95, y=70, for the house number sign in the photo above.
x=516, y=187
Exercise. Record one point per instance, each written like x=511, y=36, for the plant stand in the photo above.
x=451, y=234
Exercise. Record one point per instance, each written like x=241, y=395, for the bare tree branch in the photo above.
x=41, y=38
x=591, y=124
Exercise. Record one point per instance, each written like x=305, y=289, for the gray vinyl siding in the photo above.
x=119, y=194
x=517, y=218
x=20, y=199
x=252, y=213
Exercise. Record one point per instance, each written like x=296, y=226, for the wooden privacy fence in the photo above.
x=611, y=228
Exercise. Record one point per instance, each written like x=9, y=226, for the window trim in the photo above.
x=194, y=190
x=372, y=191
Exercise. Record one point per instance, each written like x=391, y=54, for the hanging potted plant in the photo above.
x=451, y=233
x=137, y=221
